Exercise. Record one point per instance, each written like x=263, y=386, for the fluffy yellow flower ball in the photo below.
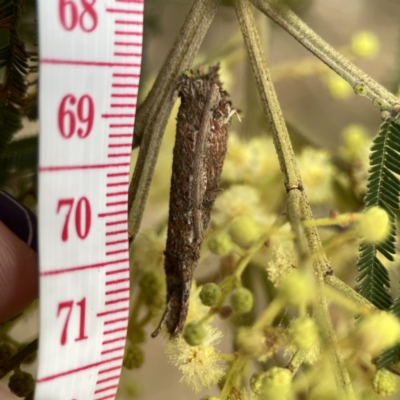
x=374, y=225
x=365, y=44
x=378, y=332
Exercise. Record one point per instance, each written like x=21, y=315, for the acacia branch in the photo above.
x=153, y=114
x=298, y=207
x=361, y=83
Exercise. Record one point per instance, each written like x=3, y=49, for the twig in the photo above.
x=350, y=293
x=362, y=84
x=200, y=151
x=234, y=372
x=16, y=360
x=154, y=113
x=179, y=58
x=298, y=206
x=296, y=361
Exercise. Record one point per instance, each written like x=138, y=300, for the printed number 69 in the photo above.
x=71, y=15
x=68, y=118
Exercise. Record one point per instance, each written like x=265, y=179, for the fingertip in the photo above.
x=18, y=274
x=5, y=394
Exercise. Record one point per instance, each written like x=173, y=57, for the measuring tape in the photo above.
x=90, y=58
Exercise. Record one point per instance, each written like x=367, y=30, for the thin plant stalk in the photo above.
x=362, y=84
x=180, y=57
x=298, y=207
x=156, y=109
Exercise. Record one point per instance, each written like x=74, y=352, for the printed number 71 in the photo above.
x=68, y=305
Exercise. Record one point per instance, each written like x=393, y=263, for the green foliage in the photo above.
x=391, y=355
x=20, y=155
x=383, y=190
x=14, y=58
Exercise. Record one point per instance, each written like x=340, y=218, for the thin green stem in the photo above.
x=154, y=112
x=341, y=220
x=234, y=372
x=268, y=316
x=222, y=51
x=362, y=84
x=144, y=320
x=135, y=309
x=298, y=207
x=340, y=239
x=350, y=293
x=227, y=357
x=307, y=67
x=297, y=360
x=250, y=254
x=180, y=57
x=229, y=282
x=343, y=301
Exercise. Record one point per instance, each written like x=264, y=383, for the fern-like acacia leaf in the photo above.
x=14, y=59
x=392, y=355
x=20, y=157
x=383, y=190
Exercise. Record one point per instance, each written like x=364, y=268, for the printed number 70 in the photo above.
x=82, y=314
x=83, y=217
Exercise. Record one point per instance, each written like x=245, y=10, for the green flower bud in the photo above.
x=194, y=333
x=277, y=383
x=210, y=294
x=6, y=352
x=256, y=382
x=378, y=332
x=244, y=231
x=304, y=332
x=21, y=383
x=208, y=397
x=272, y=384
x=241, y=300
x=133, y=357
x=296, y=289
x=151, y=285
x=220, y=244
x=384, y=383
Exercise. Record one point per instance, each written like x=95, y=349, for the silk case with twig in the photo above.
x=199, y=153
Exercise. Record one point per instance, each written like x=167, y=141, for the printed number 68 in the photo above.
x=71, y=15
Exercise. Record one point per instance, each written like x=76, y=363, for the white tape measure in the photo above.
x=90, y=57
